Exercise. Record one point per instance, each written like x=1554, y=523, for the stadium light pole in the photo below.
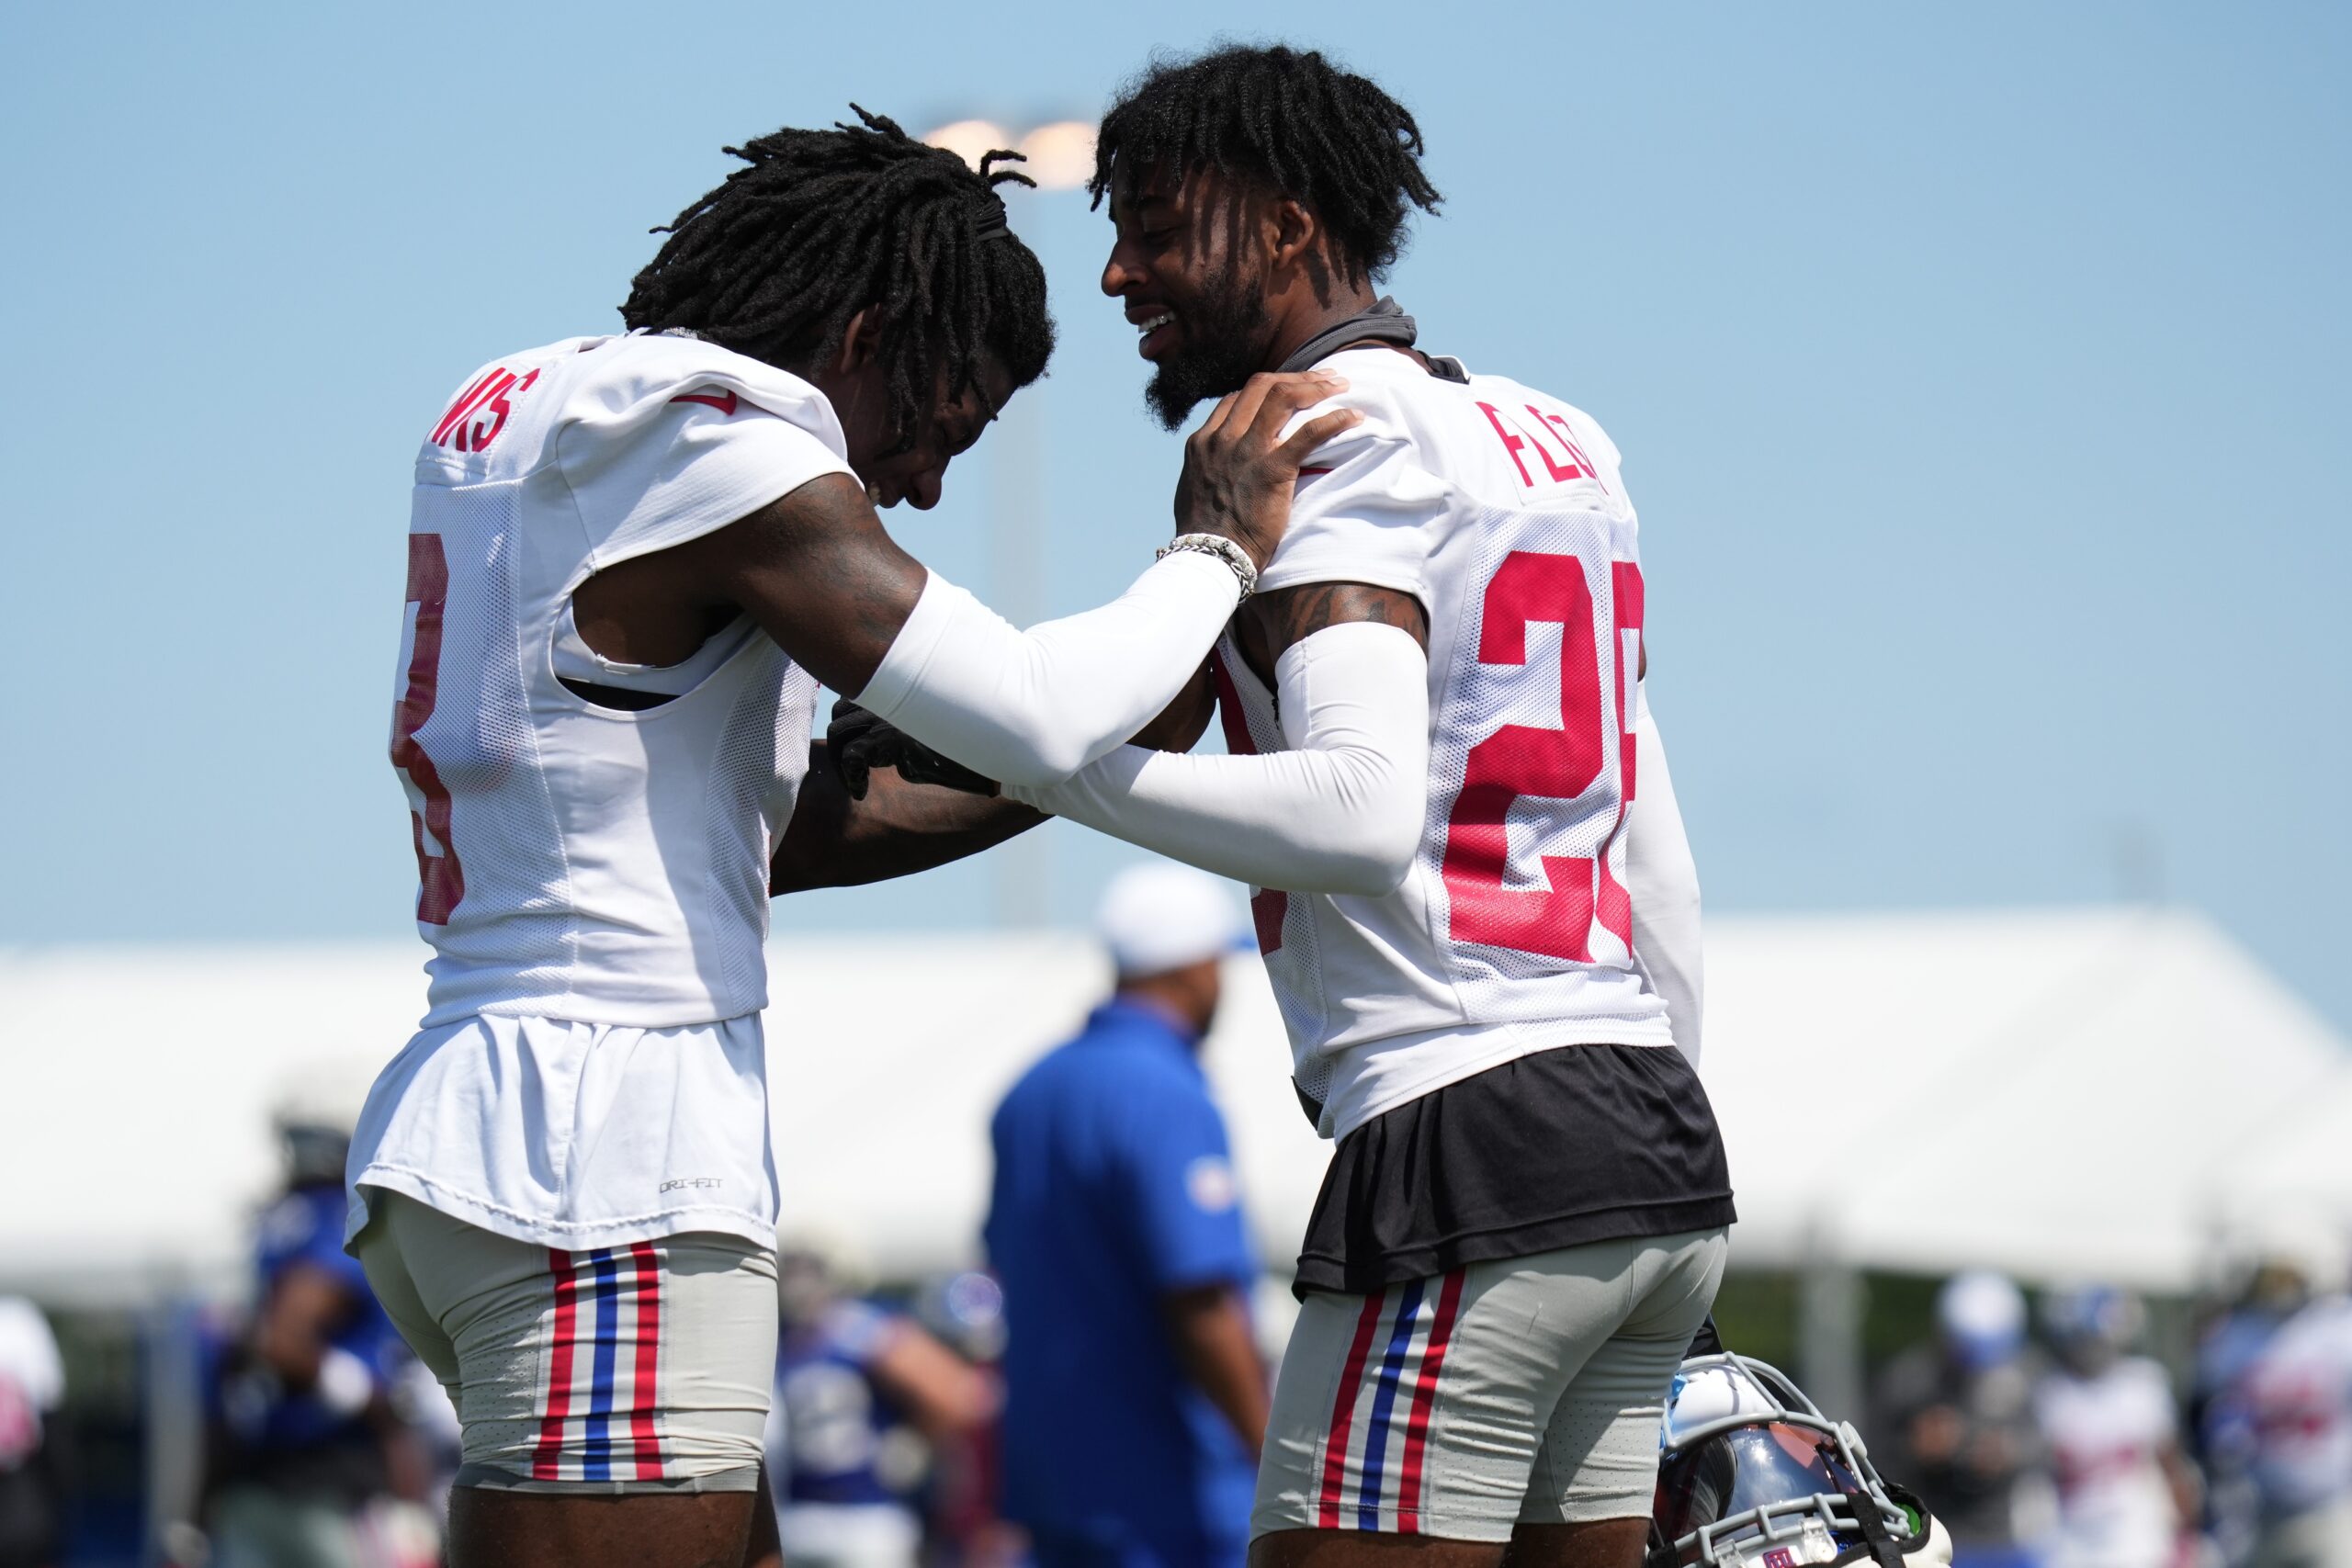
x=1059, y=155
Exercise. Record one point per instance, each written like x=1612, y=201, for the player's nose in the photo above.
x=923, y=490
x=1118, y=274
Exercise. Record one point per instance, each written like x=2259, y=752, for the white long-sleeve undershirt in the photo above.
x=1663, y=882
x=1338, y=810
x=1034, y=707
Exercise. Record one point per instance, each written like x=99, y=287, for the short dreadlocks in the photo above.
x=1325, y=136
x=826, y=223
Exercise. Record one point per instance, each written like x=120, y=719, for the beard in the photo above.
x=1222, y=346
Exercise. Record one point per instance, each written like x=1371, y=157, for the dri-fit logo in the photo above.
x=693, y=1183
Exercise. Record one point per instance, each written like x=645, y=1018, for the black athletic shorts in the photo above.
x=1581, y=1143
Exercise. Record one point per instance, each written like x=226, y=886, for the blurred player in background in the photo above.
x=1483, y=934
x=33, y=1388
x=964, y=1310
x=1955, y=1417
x=2300, y=1390
x=2126, y=1496
x=309, y=1464
x=1134, y=1398
x=2290, y=1256
x=631, y=561
x=862, y=1395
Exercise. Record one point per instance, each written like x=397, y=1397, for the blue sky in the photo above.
x=1980, y=374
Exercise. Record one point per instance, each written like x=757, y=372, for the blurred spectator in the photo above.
x=2126, y=1497
x=2289, y=1256
x=965, y=1310
x=1136, y=1400
x=32, y=1386
x=2300, y=1389
x=861, y=1393
x=308, y=1464
x=1956, y=1422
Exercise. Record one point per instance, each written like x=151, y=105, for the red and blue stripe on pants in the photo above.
x=1373, y=1457
x=597, y=1420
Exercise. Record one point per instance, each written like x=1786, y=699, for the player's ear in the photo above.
x=1296, y=231
x=860, y=341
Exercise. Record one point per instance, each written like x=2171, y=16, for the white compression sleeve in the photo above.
x=1664, y=880
x=1340, y=811
x=1034, y=706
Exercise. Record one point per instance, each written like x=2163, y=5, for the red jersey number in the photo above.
x=1557, y=919
x=442, y=881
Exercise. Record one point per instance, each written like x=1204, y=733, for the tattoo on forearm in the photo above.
x=1271, y=621
x=1302, y=612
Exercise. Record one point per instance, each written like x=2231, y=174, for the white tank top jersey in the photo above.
x=594, y=881
x=1501, y=509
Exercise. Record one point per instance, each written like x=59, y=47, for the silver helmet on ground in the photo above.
x=1752, y=1475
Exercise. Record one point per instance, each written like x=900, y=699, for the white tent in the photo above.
x=137, y=1085
x=2301, y=1169
x=2063, y=1095
x=2054, y=1093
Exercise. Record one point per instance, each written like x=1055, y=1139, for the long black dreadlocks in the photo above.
x=826, y=223
x=1326, y=137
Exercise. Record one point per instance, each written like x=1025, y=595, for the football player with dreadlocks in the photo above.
x=631, y=561
x=1484, y=939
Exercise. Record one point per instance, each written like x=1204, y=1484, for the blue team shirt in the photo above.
x=1113, y=1187
x=833, y=1419
x=305, y=1226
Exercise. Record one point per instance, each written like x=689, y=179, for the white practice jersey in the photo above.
x=1501, y=509
x=591, y=1071
x=2108, y=1434
x=2300, y=1391
x=581, y=861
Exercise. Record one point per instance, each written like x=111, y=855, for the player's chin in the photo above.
x=1181, y=382
x=1170, y=403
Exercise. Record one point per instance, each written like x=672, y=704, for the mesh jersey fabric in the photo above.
x=581, y=861
x=1502, y=509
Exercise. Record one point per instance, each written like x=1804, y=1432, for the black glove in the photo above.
x=859, y=742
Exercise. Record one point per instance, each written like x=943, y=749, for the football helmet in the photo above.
x=2092, y=1325
x=1752, y=1475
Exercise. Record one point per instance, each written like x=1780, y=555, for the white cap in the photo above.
x=1159, y=916
x=1980, y=1304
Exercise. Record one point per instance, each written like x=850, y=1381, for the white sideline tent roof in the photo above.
x=2062, y=1094
x=2065, y=1095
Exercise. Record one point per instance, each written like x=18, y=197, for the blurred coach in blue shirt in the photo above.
x=1134, y=1398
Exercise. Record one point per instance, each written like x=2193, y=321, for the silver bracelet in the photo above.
x=1224, y=549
